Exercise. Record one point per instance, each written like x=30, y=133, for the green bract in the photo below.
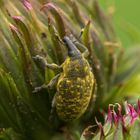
x=30, y=28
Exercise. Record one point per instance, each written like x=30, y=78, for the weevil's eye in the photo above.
x=65, y=39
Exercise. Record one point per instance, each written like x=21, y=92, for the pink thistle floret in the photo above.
x=13, y=28
x=48, y=6
x=115, y=117
x=100, y=127
x=109, y=115
x=138, y=107
x=131, y=112
x=119, y=116
x=27, y=4
x=16, y=18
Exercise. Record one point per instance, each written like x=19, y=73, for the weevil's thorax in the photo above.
x=76, y=67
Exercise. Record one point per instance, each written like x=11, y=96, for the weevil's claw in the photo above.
x=37, y=89
x=81, y=33
x=37, y=57
x=49, y=86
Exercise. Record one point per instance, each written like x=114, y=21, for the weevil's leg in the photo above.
x=51, y=84
x=54, y=66
x=51, y=66
x=53, y=81
x=37, y=89
x=82, y=48
x=53, y=108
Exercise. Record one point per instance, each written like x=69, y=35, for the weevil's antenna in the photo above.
x=59, y=39
x=74, y=39
x=86, y=25
x=82, y=30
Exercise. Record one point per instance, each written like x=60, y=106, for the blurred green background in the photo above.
x=126, y=19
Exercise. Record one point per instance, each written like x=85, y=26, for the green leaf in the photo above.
x=58, y=18
x=11, y=64
x=85, y=34
x=135, y=130
x=59, y=50
x=30, y=70
x=8, y=93
x=118, y=134
x=98, y=136
x=26, y=34
x=76, y=12
x=107, y=127
x=10, y=134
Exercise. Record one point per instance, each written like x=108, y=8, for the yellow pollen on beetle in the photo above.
x=78, y=86
x=85, y=69
x=87, y=78
x=68, y=81
x=78, y=79
x=72, y=91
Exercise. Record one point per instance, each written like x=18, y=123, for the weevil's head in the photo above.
x=72, y=50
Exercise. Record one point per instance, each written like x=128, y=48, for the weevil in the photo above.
x=74, y=84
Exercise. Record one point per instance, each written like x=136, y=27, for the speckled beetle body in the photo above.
x=74, y=89
x=74, y=84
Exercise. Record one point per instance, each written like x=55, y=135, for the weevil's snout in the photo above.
x=72, y=50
